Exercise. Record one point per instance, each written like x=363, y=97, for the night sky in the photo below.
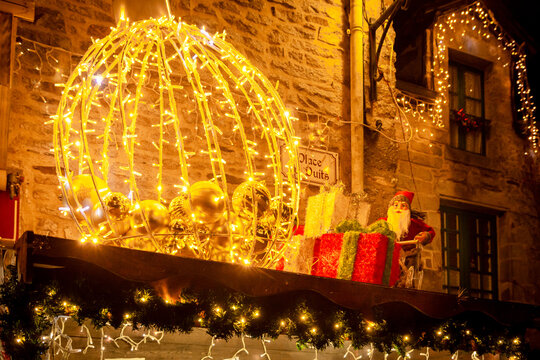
x=527, y=16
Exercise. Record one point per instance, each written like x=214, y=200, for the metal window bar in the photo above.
x=458, y=90
x=471, y=237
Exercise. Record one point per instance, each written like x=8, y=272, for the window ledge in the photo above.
x=468, y=158
x=416, y=90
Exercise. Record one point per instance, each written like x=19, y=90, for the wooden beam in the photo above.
x=4, y=123
x=8, y=25
x=24, y=9
x=38, y=253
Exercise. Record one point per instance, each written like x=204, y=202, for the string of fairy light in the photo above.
x=62, y=343
x=110, y=86
x=48, y=62
x=313, y=326
x=37, y=312
x=481, y=21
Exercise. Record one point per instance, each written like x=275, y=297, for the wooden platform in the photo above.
x=38, y=254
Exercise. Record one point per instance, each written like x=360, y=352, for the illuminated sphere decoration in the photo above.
x=157, y=127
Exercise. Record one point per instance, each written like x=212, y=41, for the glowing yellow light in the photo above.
x=133, y=79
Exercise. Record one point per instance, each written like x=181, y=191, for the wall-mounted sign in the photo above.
x=318, y=167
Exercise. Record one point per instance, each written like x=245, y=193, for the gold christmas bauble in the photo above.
x=179, y=208
x=207, y=202
x=285, y=211
x=82, y=188
x=108, y=229
x=203, y=230
x=236, y=225
x=180, y=226
x=117, y=205
x=251, y=200
x=177, y=236
x=156, y=215
x=134, y=240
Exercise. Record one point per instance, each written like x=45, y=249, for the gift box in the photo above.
x=364, y=257
x=334, y=255
x=298, y=257
x=377, y=260
x=326, y=210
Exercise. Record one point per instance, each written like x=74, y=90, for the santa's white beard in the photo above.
x=399, y=223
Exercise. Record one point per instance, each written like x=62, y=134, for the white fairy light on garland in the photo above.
x=58, y=334
x=419, y=109
x=193, y=95
x=484, y=24
x=351, y=354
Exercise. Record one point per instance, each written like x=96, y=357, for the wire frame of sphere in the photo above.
x=159, y=105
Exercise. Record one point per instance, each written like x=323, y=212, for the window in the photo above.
x=469, y=252
x=467, y=129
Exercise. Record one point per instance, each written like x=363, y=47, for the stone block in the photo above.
x=254, y=4
x=421, y=158
x=98, y=31
x=426, y=147
x=275, y=37
x=419, y=172
x=205, y=9
x=405, y=182
x=285, y=3
x=330, y=36
x=50, y=19
x=252, y=16
x=316, y=20
x=241, y=24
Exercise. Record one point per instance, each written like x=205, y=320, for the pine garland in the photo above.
x=309, y=319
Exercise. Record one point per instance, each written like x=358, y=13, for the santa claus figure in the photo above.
x=412, y=232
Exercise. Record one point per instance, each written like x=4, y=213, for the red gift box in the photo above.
x=326, y=254
x=375, y=262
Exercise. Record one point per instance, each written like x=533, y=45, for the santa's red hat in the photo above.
x=406, y=196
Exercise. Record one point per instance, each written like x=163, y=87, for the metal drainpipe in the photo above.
x=357, y=96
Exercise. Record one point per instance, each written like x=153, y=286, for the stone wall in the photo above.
x=502, y=180
x=304, y=45
x=301, y=45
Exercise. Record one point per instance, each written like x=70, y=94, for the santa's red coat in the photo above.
x=416, y=227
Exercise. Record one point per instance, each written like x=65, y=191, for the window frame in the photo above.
x=466, y=217
x=462, y=97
